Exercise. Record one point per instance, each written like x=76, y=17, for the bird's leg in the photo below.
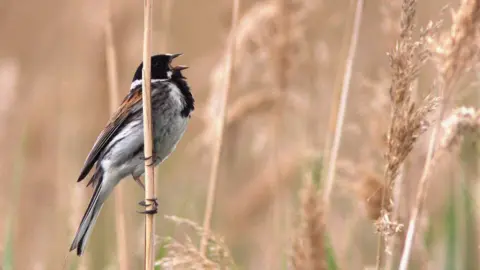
x=146, y=202
x=139, y=182
x=149, y=202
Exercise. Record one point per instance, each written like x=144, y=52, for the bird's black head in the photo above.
x=161, y=67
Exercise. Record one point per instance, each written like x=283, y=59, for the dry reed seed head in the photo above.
x=260, y=29
x=461, y=121
x=309, y=245
x=256, y=34
x=387, y=227
x=408, y=120
x=370, y=191
x=187, y=256
x=458, y=49
x=407, y=17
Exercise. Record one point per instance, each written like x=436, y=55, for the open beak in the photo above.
x=180, y=67
x=175, y=55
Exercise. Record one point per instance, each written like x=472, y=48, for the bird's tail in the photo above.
x=100, y=194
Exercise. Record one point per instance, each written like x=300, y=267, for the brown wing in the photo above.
x=114, y=125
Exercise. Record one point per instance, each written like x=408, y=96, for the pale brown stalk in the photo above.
x=342, y=105
x=147, y=135
x=456, y=52
x=220, y=122
x=309, y=245
x=112, y=72
x=335, y=99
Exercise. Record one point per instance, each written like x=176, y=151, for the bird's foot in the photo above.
x=149, y=202
x=154, y=159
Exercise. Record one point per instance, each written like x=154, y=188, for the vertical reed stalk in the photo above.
x=335, y=99
x=220, y=122
x=112, y=72
x=394, y=241
x=147, y=135
x=342, y=106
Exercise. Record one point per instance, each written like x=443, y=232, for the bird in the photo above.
x=118, y=151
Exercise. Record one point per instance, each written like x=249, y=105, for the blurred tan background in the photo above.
x=54, y=101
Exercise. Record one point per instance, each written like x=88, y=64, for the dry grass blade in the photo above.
x=187, y=256
x=220, y=122
x=309, y=245
x=111, y=59
x=456, y=52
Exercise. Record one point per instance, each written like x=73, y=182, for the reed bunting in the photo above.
x=118, y=150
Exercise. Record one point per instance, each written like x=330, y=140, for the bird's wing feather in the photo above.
x=114, y=124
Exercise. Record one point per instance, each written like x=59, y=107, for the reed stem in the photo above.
x=147, y=134
x=220, y=123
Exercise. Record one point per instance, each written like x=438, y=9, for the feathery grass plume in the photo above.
x=408, y=120
x=309, y=245
x=256, y=33
x=187, y=256
x=456, y=52
x=256, y=38
x=461, y=121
